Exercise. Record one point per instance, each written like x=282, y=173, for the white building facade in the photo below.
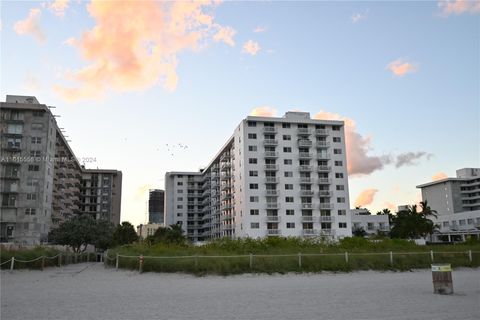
x=274, y=177
x=371, y=223
x=457, y=202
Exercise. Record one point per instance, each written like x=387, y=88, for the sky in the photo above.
x=150, y=87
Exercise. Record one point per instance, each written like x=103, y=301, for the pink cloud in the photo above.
x=439, y=176
x=58, y=7
x=459, y=7
x=133, y=52
x=251, y=47
x=400, y=68
x=31, y=25
x=260, y=29
x=390, y=206
x=225, y=34
x=264, y=112
x=365, y=197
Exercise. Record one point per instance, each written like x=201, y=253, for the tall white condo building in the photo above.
x=274, y=177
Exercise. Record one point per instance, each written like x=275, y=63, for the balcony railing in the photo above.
x=321, y=132
x=306, y=180
x=272, y=193
x=271, y=180
x=327, y=206
x=324, y=168
x=273, y=219
x=327, y=219
x=309, y=232
x=305, y=168
x=305, y=155
x=307, y=205
x=271, y=167
x=272, y=205
x=269, y=129
x=270, y=142
x=303, y=131
x=307, y=193
x=271, y=154
x=324, y=181
x=323, y=144
x=323, y=156
x=326, y=194
x=307, y=218
x=273, y=232
x=304, y=143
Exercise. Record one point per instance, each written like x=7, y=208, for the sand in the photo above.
x=88, y=291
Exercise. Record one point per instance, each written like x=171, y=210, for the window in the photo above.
x=289, y=199
x=255, y=225
x=469, y=221
x=340, y=200
x=33, y=167
x=31, y=196
x=290, y=225
x=286, y=125
x=339, y=175
x=336, y=128
x=287, y=161
x=36, y=140
x=338, y=163
x=340, y=187
x=180, y=199
x=38, y=113
x=37, y=126
x=252, y=136
x=180, y=206
x=287, y=149
x=289, y=186
x=251, y=123
x=14, y=142
x=14, y=128
x=254, y=212
x=342, y=225
x=252, y=148
x=287, y=137
x=288, y=174
x=252, y=160
x=290, y=212
x=253, y=173
x=253, y=199
x=461, y=222
x=35, y=153
x=30, y=211
x=32, y=182
x=337, y=151
x=337, y=139
x=253, y=185
x=9, y=200
x=179, y=183
x=342, y=212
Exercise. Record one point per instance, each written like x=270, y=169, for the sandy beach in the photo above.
x=88, y=291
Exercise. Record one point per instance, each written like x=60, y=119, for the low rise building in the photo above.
x=145, y=230
x=371, y=224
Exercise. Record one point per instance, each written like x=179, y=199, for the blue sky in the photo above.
x=313, y=56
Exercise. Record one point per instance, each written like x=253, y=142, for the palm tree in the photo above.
x=426, y=210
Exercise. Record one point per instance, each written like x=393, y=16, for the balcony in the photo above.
x=273, y=232
x=303, y=131
x=304, y=143
x=326, y=206
x=272, y=205
x=323, y=144
x=324, y=181
x=327, y=232
x=309, y=232
x=225, y=156
x=273, y=193
x=323, y=156
x=269, y=129
x=227, y=217
x=306, y=180
x=326, y=194
x=271, y=180
x=227, y=196
x=271, y=154
x=306, y=193
x=226, y=207
x=225, y=177
x=273, y=219
x=321, y=132
x=305, y=168
x=271, y=167
x=307, y=218
x=270, y=142
x=304, y=155
x=327, y=219
x=324, y=169
x=307, y=205
x=226, y=186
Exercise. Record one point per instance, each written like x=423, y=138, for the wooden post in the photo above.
x=43, y=263
x=116, y=262
x=470, y=255
x=391, y=258
x=60, y=259
x=431, y=255
x=12, y=263
x=140, y=263
x=346, y=257
x=251, y=261
x=300, y=260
